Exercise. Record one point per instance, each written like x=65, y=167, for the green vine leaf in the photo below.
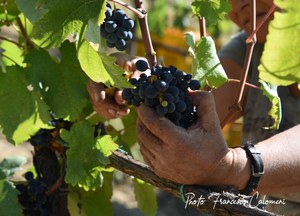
x=101, y=67
x=93, y=202
x=270, y=91
x=145, y=196
x=8, y=10
x=280, y=62
x=212, y=11
x=86, y=156
x=64, y=18
x=62, y=84
x=206, y=64
x=23, y=112
x=13, y=52
x=32, y=9
x=9, y=204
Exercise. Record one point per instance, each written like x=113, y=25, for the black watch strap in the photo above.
x=257, y=167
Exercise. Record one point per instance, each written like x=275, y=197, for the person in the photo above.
x=200, y=155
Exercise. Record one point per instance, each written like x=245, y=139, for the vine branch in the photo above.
x=128, y=165
x=237, y=107
x=150, y=53
x=134, y=10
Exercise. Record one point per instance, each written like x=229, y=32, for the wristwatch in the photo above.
x=257, y=167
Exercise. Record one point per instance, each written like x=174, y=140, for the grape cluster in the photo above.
x=165, y=90
x=117, y=28
x=33, y=197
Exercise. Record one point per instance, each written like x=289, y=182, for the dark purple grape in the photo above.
x=181, y=106
x=141, y=65
x=194, y=84
x=160, y=110
x=119, y=15
x=121, y=44
x=112, y=38
x=110, y=26
x=28, y=176
x=151, y=91
x=127, y=23
x=161, y=85
x=122, y=33
x=126, y=94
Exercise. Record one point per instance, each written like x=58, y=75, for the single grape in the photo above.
x=118, y=15
x=112, y=38
x=126, y=94
x=160, y=110
x=28, y=176
x=110, y=26
x=121, y=44
x=181, y=106
x=151, y=91
x=194, y=84
x=127, y=24
x=141, y=65
x=122, y=33
x=161, y=85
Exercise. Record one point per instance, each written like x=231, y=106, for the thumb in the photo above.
x=207, y=117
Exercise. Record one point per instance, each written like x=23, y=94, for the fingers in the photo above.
x=161, y=127
x=206, y=111
x=105, y=106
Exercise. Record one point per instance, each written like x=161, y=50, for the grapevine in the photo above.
x=44, y=100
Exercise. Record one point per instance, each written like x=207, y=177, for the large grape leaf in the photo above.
x=9, y=204
x=92, y=202
x=64, y=18
x=8, y=10
x=270, y=91
x=212, y=11
x=31, y=9
x=86, y=155
x=280, y=62
x=101, y=67
x=206, y=64
x=145, y=196
x=63, y=84
x=11, y=54
x=22, y=111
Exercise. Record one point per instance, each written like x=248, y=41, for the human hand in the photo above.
x=113, y=106
x=197, y=155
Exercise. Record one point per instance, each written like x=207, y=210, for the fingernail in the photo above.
x=112, y=112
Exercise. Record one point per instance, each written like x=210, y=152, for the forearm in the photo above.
x=281, y=157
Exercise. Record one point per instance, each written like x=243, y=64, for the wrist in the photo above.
x=237, y=169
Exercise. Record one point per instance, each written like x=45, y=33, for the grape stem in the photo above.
x=139, y=14
x=259, y=25
x=247, y=84
x=202, y=26
x=236, y=107
x=11, y=41
x=150, y=53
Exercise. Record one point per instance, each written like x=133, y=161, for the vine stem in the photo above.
x=150, y=53
x=247, y=84
x=202, y=26
x=139, y=14
x=259, y=25
x=28, y=42
x=11, y=41
x=5, y=56
x=236, y=107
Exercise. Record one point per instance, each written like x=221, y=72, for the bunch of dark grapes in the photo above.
x=33, y=197
x=165, y=90
x=117, y=28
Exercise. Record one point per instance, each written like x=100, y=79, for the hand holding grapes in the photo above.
x=112, y=106
x=196, y=155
